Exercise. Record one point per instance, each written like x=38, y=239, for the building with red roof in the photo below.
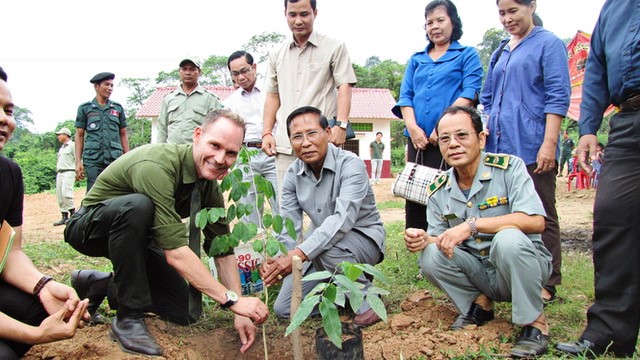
x=370, y=113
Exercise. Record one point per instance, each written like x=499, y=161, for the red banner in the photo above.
x=577, y=51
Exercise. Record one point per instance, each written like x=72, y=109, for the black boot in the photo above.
x=63, y=220
x=92, y=285
x=71, y=211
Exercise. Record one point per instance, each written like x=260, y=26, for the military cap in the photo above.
x=64, y=130
x=192, y=59
x=101, y=77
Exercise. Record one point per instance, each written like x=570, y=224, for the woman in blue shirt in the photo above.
x=444, y=74
x=527, y=93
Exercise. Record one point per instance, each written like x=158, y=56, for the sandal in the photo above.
x=551, y=289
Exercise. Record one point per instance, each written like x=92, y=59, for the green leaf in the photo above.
x=330, y=292
x=214, y=215
x=231, y=212
x=283, y=248
x=340, y=297
x=377, y=290
x=248, y=209
x=235, y=194
x=331, y=322
x=201, y=219
x=291, y=228
x=353, y=291
x=372, y=270
x=240, y=210
x=318, y=288
x=258, y=246
x=252, y=230
x=350, y=271
x=377, y=305
x=260, y=202
x=272, y=247
x=318, y=275
x=267, y=220
x=226, y=183
x=277, y=224
x=305, y=309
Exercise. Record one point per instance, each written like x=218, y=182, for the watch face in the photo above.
x=232, y=295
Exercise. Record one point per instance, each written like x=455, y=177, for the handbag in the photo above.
x=414, y=180
x=350, y=133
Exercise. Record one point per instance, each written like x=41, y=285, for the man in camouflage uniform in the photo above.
x=101, y=134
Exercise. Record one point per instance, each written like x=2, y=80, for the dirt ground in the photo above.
x=419, y=330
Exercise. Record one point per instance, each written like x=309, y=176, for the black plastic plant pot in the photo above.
x=352, y=347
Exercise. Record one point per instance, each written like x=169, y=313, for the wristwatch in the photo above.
x=471, y=221
x=232, y=298
x=342, y=124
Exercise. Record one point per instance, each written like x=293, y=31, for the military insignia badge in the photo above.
x=437, y=183
x=115, y=113
x=500, y=161
x=493, y=202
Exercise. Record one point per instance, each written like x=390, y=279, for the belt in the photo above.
x=61, y=171
x=253, y=144
x=631, y=104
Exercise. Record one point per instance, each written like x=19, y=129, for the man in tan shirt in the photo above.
x=185, y=108
x=312, y=70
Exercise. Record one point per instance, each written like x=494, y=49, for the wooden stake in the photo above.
x=296, y=299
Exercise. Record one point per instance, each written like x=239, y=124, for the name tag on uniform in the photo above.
x=449, y=216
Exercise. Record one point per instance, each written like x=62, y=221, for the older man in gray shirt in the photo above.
x=331, y=186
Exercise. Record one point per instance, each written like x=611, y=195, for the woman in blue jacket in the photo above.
x=444, y=74
x=526, y=94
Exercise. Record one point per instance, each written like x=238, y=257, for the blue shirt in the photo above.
x=431, y=86
x=613, y=71
x=521, y=88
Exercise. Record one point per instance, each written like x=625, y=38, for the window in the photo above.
x=362, y=126
x=353, y=146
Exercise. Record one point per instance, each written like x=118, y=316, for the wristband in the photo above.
x=265, y=134
x=40, y=285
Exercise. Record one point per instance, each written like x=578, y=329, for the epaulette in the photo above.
x=497, y=160
x=437, y=183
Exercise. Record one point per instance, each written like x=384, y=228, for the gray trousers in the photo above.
x=354, y=247
x=515, y=271
x=64, y=190
x=264, y=165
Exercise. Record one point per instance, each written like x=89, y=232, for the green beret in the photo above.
x=102, y=77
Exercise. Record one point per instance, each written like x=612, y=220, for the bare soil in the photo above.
x=420, y=329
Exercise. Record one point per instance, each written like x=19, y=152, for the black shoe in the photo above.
x=475, y=316
x=133, y=336
x=530, y=343
x=92, y=285
x=63, y=220
x=581, y=347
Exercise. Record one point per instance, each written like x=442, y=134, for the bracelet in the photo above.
x=40, y=285
x=265, y=134
x=472, y=225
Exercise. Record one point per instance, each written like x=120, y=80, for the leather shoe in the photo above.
x=475, y=316
x=530, y=343
x=133, y=336
x=92, y=285
x=367, y=318
x=581, y=347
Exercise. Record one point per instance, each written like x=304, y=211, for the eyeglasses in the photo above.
x=310, y=135
x=244, y=71
x=444, y=140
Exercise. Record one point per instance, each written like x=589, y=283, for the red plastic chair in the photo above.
x=582, y=178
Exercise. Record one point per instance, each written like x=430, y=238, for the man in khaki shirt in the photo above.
x=185, y=108
x=65, y=167
x=305, y=71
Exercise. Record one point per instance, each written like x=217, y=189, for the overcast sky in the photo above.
x=51, y=49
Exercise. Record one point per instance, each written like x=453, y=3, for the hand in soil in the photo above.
x=246, y=330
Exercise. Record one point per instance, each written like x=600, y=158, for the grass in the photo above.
x=567, y=316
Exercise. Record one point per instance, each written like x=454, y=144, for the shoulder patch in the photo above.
x=497, y=160
x=437, y=183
